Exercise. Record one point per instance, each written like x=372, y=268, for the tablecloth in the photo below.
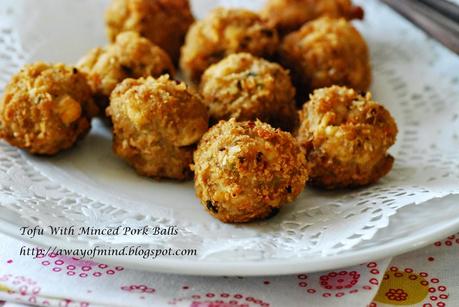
x=427, y=277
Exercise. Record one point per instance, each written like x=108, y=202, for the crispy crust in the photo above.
x=290, y=15
x=131, y=56
x=246, y=171
x=327, y=52
x=164, y=22
x=156, y=122
x=346, y=137
x=224, y=32
x=248, y=88
x=46, y=108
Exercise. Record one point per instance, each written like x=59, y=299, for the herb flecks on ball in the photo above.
x=346, y=137
x=246, y=171
x=224, y=32
x=245, y=87
x=46, y=108
x=156, y=124
x=130, y=56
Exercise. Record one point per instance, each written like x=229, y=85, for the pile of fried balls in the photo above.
x=274, y=100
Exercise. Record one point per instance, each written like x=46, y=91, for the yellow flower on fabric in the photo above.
x=4, y=288
x=402, y=288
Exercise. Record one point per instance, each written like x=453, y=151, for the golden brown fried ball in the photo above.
x=224, y=32
x=164, y=22
x=46, y=108
x=346, y=137
x=156, y=122
x=290, y=15
x=131, y=56
x=246, y=171
x=327, y=52
x=245, y=87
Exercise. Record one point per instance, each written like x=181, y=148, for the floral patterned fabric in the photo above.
x=428, y=277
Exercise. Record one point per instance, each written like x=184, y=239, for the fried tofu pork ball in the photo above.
x=131, y=56
x=46, y=108
x=224, y=32
x=245, y=87
x=156, y=122
x=326, y=52
x=346, y=137
x=164, y=22
x=246, y=171
x=290, y=15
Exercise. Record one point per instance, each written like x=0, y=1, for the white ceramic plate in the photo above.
x=413, y=76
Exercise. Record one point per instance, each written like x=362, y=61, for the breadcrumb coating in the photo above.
x=245, y=87
x=290, y=15
x=131, y=56
x=246, y=171
x=326, y=52
x=163, y=22
x=346, y=137
x=224, y=32
x=46, y=108
x=156, y=122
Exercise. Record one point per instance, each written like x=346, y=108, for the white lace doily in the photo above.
x=414, y=77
